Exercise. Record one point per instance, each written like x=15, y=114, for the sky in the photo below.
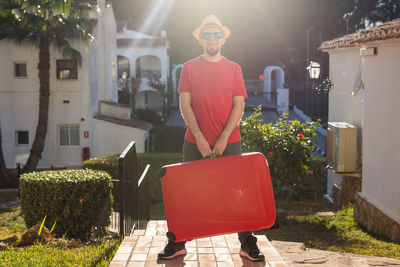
x=264, y=32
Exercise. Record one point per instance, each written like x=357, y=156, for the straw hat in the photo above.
x=211, y=20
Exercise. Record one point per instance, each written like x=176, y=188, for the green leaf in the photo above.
x=41, y=226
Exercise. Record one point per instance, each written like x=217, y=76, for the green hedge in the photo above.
x=287, y=144
x=78, y=200
x=167, y=139
x=109, y=163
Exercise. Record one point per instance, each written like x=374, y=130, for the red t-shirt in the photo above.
x=212, y=86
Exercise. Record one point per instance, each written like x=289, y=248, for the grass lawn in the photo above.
x=59, y=252
x=299, y=223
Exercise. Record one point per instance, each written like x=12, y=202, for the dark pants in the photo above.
x=190, y=152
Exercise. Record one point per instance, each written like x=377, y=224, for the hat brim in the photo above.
x=225, y=30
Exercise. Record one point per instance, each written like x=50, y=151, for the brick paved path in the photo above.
x=141, y=249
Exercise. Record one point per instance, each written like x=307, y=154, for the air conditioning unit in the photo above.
x=342, y=147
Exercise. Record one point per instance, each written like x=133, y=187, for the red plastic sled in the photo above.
x=224, y=195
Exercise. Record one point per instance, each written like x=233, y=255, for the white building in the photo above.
x=83, y=114
x=140, y=56
x=364, y=68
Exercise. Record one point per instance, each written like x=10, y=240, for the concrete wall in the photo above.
x=381, y=161
x=110, y=144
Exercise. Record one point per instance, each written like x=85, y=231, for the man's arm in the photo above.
x=233, y=120
x=185, y=100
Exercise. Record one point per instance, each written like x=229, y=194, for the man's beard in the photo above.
x=212, y=52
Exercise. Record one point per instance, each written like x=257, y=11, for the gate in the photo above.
x=131, y=194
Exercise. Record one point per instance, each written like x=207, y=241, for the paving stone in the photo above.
x=206, y=257
x=223, y=257
x=116, y=263
x=142, y=247
x=136, y=264
x=208, y=264
x=125, y=249
x=191, y=257
x=277, y=264
x=139, y=232
x=219, y=244
x=121, y=257
x=191, y=264
x=204, y=244
x=225, y=264
x=202, y=250
x=138, y=257
x=221, y=250
x=141, y=250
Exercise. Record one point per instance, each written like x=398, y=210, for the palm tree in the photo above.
x=4, y=179
x=44, y=23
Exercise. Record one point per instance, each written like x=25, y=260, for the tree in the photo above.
x=371, y=12
x=44, y=23
x=4, y=179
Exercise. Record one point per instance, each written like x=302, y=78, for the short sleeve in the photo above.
x=239, y=87
x=184, y=83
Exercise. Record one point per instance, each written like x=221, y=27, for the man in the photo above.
x=211, y=95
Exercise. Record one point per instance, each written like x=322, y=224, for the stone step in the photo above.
x=141, y=249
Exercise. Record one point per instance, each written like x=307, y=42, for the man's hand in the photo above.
x=203, y=146
x=220, y=146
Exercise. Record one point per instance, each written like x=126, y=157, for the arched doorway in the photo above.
x=148, y=67
x=123, y=66
x=278, y=80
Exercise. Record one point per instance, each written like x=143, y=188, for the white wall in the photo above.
x=105, y=135
x=381, y=143
x=343, y=67
x=19, y=105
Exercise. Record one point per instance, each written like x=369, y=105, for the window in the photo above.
x=69, y=135
x=20, y=70
x=67, y=69
x=22, y=138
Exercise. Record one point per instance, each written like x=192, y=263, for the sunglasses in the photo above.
x=207, y=35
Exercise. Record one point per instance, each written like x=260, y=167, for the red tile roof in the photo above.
x=385, y=31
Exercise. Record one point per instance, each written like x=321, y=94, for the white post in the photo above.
x=282, y=100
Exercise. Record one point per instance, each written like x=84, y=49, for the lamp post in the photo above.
x=314, y=69
x=307, y=60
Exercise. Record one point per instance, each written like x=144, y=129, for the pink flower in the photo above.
x=311, y=172
x=271, y=154
x=300, y=135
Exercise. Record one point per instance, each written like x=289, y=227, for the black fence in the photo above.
x=313, y=102
x=131, y=194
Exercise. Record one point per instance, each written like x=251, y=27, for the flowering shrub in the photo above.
x=287, y=146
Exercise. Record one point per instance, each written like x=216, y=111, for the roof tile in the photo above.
x=385, y=31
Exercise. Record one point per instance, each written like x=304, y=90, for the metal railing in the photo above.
x=131, y=194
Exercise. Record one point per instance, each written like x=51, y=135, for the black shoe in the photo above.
x=250, y=250
x=172, y=250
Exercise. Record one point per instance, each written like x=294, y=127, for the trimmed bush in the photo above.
x=107, y=163
x=287, y=145
x=156, y=161
x=148, y=115
x=78, y=200
x=167, y=138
